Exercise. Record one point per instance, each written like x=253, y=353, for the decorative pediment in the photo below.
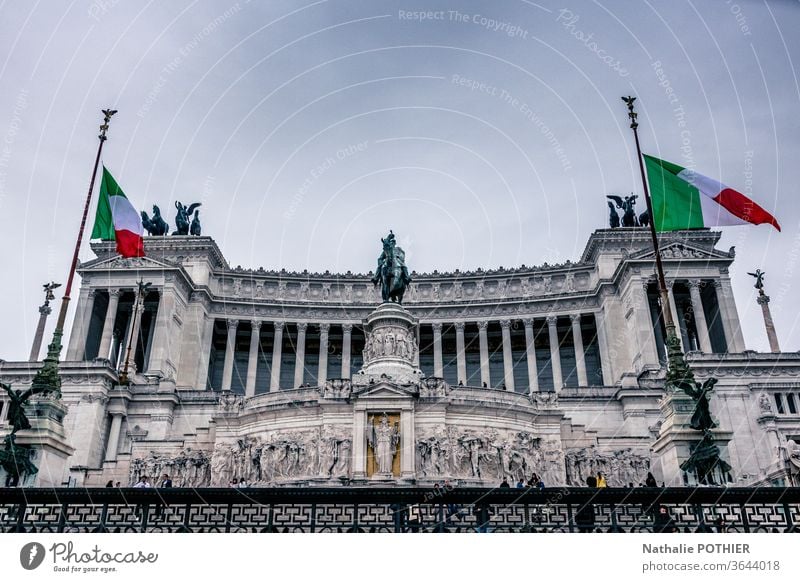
x=119, y=263
x=384, y=389
x=681, y=251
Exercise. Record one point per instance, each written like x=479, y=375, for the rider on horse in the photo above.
x=392, y=272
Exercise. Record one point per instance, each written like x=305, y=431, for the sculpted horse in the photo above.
x=155, y=226
x=392, y=273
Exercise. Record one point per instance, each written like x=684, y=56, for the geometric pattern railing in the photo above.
x=370, y=509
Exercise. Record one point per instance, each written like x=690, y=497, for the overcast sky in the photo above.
x=485, y=134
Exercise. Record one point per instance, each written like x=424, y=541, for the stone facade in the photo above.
x=277, y=377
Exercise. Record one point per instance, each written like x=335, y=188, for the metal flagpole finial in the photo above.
x=631, y=113
x=107, y=114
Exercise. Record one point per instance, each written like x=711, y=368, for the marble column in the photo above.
x=606, y=361
x=300, y=354
x=580, y=355
x=483, y=342
x=206, y=339
x=729, y=315
x=252, y=361
x=508, y=359
x=359, y=459
x=530, y=354
x=112, y=445
x=772, y=336
x=347, y=338
x=230, y=352
x=699, y=316
x=646, y=343
x=44, y=311
x=460, y=353
x=680, y=323
x=407, y=442
x=438, y=364
x=322, y=371
x=163, y=333
x=80, y=326
x=108, y=323
x=277, y=354
x=555, y=353
x=132, y=346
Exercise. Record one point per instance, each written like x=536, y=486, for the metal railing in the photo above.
x=371, y=509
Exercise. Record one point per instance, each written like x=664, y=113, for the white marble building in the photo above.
x=279, y=377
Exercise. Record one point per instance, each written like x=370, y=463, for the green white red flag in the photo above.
x=683, y=199
x=117, y=219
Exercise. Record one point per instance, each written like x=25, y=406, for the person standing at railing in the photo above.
x=165, y=483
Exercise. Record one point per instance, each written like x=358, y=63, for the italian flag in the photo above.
x=683, y=199
x=117, y=219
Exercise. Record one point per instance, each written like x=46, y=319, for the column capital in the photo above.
x=437, y=327
x=505, y=324
x=232, y=323
x=528, y=322
x=762, y=299
x=482, y=325
x=347, y=328
x=459, y=325
x=717, y=283
x=278, y=325
x=694, y=283
x=552, y=320
x=115, y=293
x=256, y=324
x=324, y=327
x=302, y=326
x=575, y=318
x=670, y=283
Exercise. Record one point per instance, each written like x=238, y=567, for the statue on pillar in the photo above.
x=384, y=439
x=16, y=460
x=392, y=272
x=759, y=275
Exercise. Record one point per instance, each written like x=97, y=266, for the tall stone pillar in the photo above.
x=230, y=352
x=645, y=331
x=80, y=326
x=580, y=354
x=347, y=338
x=772, y=336
x=162, y=333
x=699, y=316
x=680, y=323
x=555, y=353
x=300, y=354
x=606, y=362
x=135, y=327
x=460, y=353
x=530, y=354
x=408, y=445
x=359, y=460
x=44, y=311
x=508, y=357
x=483, y=342
x=252, y=361
x=729, y=315
x=277, y=355
x=112, y=445
x=108, y=323
x=438, y=364
x=205, y=353
x=322, y=371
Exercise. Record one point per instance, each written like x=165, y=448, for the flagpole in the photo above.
x=674, y=352
x=47, y=376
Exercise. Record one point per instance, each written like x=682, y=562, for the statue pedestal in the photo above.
x=49, y=444
x=390, y=351
x=677, y=439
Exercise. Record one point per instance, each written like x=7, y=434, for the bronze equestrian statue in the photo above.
x=392, y=272
x=155, y=226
